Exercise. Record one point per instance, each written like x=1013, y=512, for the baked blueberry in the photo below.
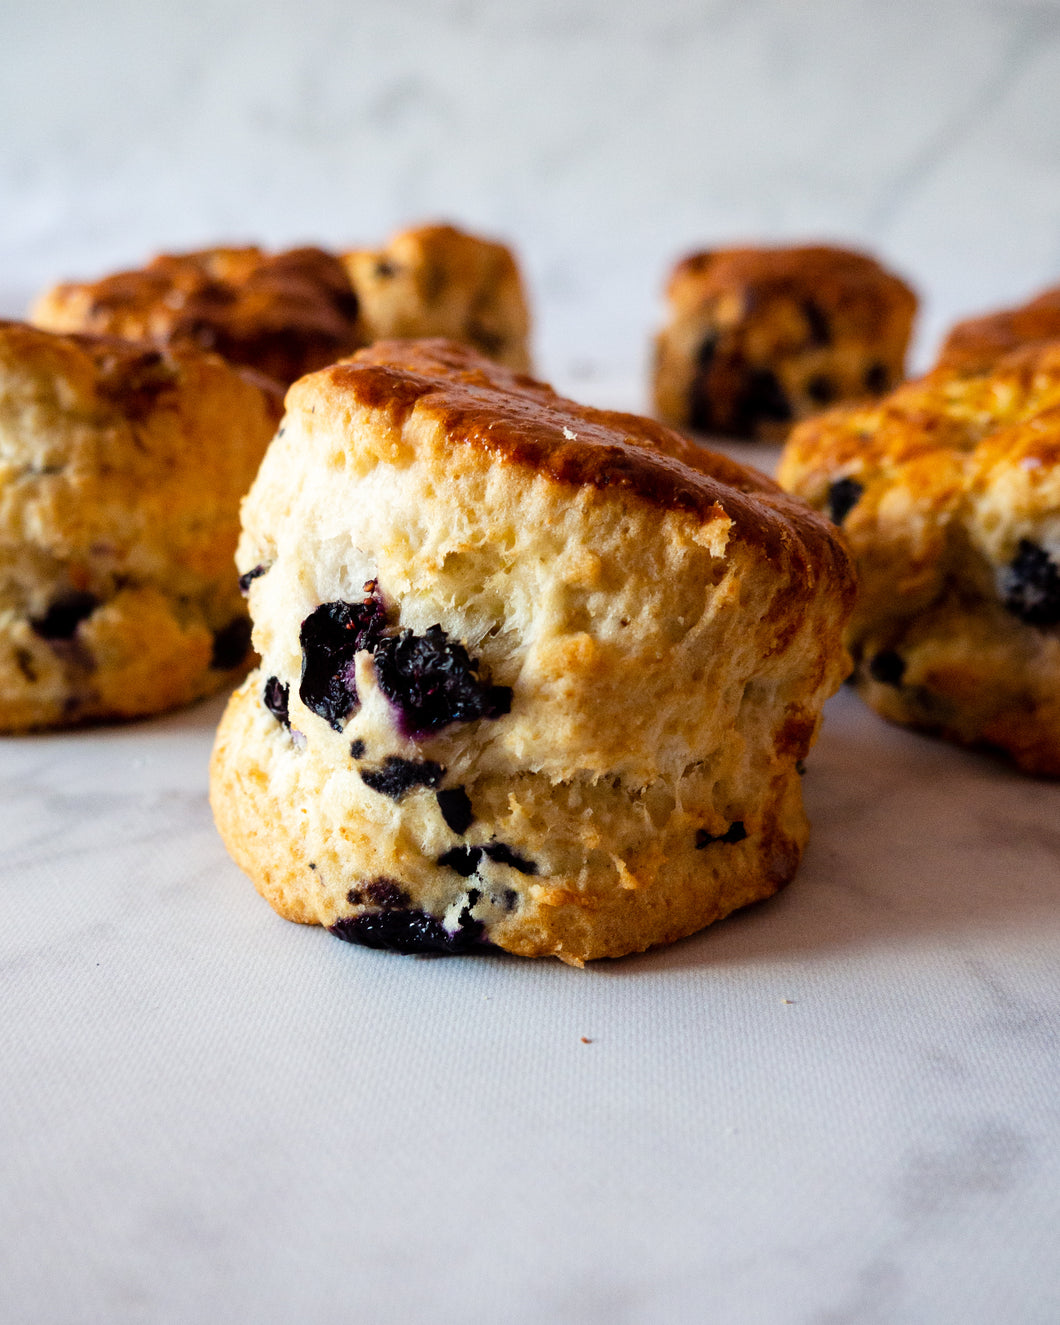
x=248, y=578
x=434, y=681
x=735, y=832
x=276, y=697
x=455, y=806
x=65, y=615
x=231, y=644
x=843, y=495
x=411, y=932
x=1030, y=585
x=887, y=667
x=399, y=775
x=330, y=637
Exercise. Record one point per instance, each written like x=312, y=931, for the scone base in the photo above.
x=315, y=869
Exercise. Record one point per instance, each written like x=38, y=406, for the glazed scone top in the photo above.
x=952, y=456
x=844, y=282
x=284, y=314
x=977, y=343
x=457, y=400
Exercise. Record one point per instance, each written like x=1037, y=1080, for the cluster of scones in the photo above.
x=527, y=675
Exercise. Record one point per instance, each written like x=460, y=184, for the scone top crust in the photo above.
x=513, y=418
x=284, y=314
x=842, y=281
x=977, y=343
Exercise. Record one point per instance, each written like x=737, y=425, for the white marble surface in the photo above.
x=842, y=1106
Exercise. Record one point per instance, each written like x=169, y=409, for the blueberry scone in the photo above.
x=284, y=314
x=534, y=676
x=977, y=343
x=757, y=338
x=949, y=494
x=121, y=472
x=439, y=281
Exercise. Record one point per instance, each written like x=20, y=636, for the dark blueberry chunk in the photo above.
x=1030, y=586
x=384, y=270
x=877, y=378
x=276, y=697
x=357, y=749
x=887, y=667
x=230, y=644
x=434, y=681
x=455, y=806
x=411, y=931
x=763, y=401
x=248, y=578
x=817, y=321
x=399, y=775
x=462, y=859
x=65, y=615
x=700, y=414
x=382, y=892
x=504, y=855
x=843, y=495
x=735, y=832
x=800, y=767
x=330, y=636
x=821, y=389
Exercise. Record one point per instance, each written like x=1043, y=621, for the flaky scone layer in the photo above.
x=656, y=630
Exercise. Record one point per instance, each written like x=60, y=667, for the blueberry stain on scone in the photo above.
x=433, y=681
x=330, y=637
x=1030, y=585
x=466, y=860
x=397, y=776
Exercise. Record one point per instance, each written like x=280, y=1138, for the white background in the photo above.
x=840, y=1107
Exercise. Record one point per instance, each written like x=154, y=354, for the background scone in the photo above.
x=979, y=342
x=949, y=494
x=757, y=338
x=121, y=471
x=284, y=314
x=436, y=280
x=533, y=674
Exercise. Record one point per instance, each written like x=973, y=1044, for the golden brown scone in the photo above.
x=533, y=675
x=121, y=471
x=977, y=344
x=949, y=494
x=757, y=338
x=440, y=281
x=284, y=314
